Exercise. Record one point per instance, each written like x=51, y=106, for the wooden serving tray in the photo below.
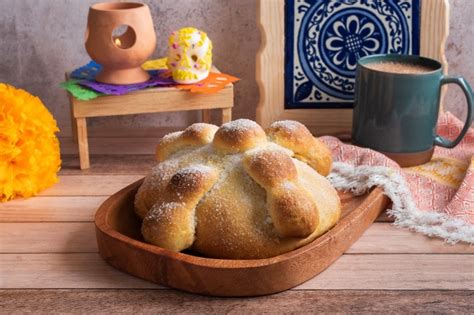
x=121, y=245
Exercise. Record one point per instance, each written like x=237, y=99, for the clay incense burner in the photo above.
x=120, y=37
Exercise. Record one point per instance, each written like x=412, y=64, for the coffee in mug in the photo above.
x=396, y=106
x=399, y=67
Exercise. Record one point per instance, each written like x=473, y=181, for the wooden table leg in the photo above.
x=73, y=119
x=206, y=116
x=74, y=128
x=226, y=114
x=82, y=143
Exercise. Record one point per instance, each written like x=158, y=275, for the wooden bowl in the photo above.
x=121, y=245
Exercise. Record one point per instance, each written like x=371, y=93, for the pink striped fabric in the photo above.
x=444, y=185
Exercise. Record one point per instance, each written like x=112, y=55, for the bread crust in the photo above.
x=296, y=137
x=238, y=136
x=195, y=135
x=239, y=194
x=291, y=208
x=171, y=221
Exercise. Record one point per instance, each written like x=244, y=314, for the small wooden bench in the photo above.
x=152, y=100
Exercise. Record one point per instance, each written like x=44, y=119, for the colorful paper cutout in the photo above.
x=158, y=78
x=78, y=91
x=84, y=87
x=155, y=64
x=87, y=72
x=212, y=84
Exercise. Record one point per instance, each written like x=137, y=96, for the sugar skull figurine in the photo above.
x=189, y=55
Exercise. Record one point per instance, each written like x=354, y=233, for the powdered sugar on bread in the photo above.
x=211, y=191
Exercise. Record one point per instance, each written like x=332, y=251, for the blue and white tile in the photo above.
x=325, y=38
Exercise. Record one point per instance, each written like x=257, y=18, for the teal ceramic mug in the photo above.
x=396, y=107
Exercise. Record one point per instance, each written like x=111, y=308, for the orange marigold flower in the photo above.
x=29, y=149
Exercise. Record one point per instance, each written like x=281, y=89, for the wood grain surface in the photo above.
x=46, y=242
x=349, y=272
x=92, y=185
x=435, y=16
x=79, y=237
x=173, y=302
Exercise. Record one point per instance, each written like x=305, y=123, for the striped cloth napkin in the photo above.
x=436, y=198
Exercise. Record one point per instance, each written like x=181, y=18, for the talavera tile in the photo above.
x=324, y=39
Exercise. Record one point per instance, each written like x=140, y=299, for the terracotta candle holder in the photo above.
x=120, y=37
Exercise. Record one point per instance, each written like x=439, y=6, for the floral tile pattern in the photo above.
x=325, y=38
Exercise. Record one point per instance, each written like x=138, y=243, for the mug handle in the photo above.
x=466, y=88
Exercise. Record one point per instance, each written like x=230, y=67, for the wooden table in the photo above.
x=152, y=100
x=49, y=259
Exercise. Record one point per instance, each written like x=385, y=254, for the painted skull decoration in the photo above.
x=189, y=55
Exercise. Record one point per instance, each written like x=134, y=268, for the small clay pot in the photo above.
x=121, y=55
